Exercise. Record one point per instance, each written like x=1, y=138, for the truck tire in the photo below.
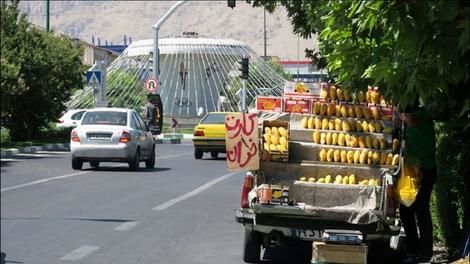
x=379, y=251
x=251, y=247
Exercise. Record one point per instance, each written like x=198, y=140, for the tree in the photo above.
x=407, y=48
x=410, y=49
x=39, y=72
x=277, y=67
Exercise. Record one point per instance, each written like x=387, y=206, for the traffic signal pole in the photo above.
x=245, y=62
x=244, y=96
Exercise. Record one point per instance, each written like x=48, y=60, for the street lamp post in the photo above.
x=156, y=28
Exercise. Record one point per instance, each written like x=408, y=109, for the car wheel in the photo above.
x=94, y=164
x=135, y=162
x=214, y=154
x=251, y=247
x=198, y=154
x=150, y=163
x=77, y=164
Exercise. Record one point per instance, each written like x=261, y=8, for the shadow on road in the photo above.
x=123, y=168
x=219, y=158
x=4, y=261
x=6, y=161
x=99, y=219
x=298, y=254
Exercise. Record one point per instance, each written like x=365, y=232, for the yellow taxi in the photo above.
x=209, y=135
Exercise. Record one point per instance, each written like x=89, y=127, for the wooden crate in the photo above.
x=334, y=253
x=274, y=155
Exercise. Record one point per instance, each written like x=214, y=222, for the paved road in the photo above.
x=180, y=212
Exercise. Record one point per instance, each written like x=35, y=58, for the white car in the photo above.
x=71, y=118
x=112, y=135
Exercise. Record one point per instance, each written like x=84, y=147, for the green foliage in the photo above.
x=409, y=49
x=5, y=138
x=52, y=132
x=124, y=82
x=121, y=87
x=39, y=72
x=280, y=70
x=451, y=194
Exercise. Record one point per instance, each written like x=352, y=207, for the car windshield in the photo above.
x=214, y=119
x=77, y=115
x=105, y=118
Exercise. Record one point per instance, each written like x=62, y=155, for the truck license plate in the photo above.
x=306, y=234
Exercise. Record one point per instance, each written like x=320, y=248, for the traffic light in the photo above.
x=231, y=3
x=244, y=69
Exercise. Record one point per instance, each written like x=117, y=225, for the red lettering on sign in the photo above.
x=242, y=138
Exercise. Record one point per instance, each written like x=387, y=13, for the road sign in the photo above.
x=151, y=85
x=173, y=123
x=93, y=78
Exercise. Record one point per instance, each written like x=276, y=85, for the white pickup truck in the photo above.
x=314, y=210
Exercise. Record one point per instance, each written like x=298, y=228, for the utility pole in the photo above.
x=47, y=14
x=265, y=52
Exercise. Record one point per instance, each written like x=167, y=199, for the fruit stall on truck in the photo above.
x=327, y=165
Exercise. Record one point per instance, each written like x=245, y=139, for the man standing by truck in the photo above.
x=149, y=113
x=420, y=149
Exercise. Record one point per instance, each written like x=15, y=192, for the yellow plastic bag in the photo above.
x=408, y=184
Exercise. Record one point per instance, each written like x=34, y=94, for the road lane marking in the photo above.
x=80, y=253
x=43, y=181
x=192, y=193
x=172, y=156
x=126, y=226
x=72, y=175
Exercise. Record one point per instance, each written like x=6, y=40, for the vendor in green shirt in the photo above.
x=420, y=150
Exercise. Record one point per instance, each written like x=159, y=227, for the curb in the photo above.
x=29, y=150
x=168, y=141
x=173, y=136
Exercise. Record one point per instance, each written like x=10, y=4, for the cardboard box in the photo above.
x=274, y=155
x=307, y=89
x=334, y=253
x=269, y=103
x=297, y=105
x=276, y=196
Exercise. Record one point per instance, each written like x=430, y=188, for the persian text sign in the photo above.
x=242, y=141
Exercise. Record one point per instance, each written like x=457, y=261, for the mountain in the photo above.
x=112, y=20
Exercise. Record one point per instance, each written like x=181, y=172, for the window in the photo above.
x=77, y=115
x=141, y=122
x=105, y=118
x=214, y=119
x=134, y=122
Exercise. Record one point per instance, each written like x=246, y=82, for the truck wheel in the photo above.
x=198, y=154
x=251, y=247
x=150, y=163
x=135, y=162
x=379, y=251
x=94, y=164
x=214, y=154
x=77, y=164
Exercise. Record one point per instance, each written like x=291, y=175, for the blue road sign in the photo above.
x=93, y=77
